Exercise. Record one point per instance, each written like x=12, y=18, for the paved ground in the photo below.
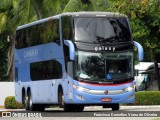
x=93, y=111
x=130, y=108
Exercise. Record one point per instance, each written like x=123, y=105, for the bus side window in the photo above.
x=17, y=41
x=66, y=35
x=34, y=36
x=21, y=39
x=45, y=70
x=66, y=28
x=49, y=32
x=56, y=35
x=66, y=55
x=52, y=70
x=57, y=70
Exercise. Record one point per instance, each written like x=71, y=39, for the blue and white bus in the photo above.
x=75, y=60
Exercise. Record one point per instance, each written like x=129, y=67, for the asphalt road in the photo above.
x=91, y=113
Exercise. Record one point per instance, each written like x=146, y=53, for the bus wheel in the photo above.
x=60, y=98
x=23, y=97
x=40, y=107
x=26, y=102
x=30, y=104
x=68, y=108
x=73, y=108
x=79, y=108
x=115, y=107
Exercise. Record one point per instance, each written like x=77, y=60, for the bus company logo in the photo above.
x=104, y=48
x=30, y=53
x=106, y=92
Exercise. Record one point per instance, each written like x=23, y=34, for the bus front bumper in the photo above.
x=103, y=97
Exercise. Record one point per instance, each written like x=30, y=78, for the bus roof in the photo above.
x=75, y=14
x=95, y=14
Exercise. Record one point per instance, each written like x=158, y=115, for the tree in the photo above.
x=145, y=23
x=86, y=5
x=17, y=12
x=6, y=7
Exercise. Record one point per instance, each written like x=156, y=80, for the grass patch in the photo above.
x=11, y=103
x=147, y=98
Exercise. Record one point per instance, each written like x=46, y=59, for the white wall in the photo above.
x=6, y=89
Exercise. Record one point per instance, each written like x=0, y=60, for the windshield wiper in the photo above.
x=83, y=79
x=110, y=40
x=92, y=80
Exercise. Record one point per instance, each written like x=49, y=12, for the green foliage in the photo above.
x=14, y=13
x=92, y=5
x=11, y=103
x=3, y=57
x=147, y=98
x=156, y=119
x=145, y=22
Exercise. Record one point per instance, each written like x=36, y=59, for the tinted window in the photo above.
x=45, y=70
x=66, y=28
x=21, y=39
x=67, y=35
x=102, y=30
x=38, y=34
x=97, y=66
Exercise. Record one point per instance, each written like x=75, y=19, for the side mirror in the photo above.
x=71, y=49
x=140, y=51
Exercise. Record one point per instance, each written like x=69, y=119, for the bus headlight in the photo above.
x=79, y=88
x=130, y=88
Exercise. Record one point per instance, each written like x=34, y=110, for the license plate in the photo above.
x=106, y=99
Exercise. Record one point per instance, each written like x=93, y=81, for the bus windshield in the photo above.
x=101, y=30
x=97, y=66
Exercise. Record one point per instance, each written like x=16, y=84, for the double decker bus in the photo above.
x=74, y=60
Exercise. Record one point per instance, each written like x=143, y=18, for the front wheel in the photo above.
x=68, y=108
x=60, y=98
x=115, y=107
x=73, y=108
x=79, y=108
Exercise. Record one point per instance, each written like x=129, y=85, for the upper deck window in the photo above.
x=101, y=30
x=42, y=33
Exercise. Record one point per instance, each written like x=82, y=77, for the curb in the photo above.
x=123, y=107
x=146, y=106
x=89, y=107
x=3, y=109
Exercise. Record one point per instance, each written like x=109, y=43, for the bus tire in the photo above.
x=26, y=102
x=68, y=108
x=60, y=98
x=79, y=108
x=115, y=107
x=23, y=96
x=40, y=107
x=30, y=104
x=73, y=108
